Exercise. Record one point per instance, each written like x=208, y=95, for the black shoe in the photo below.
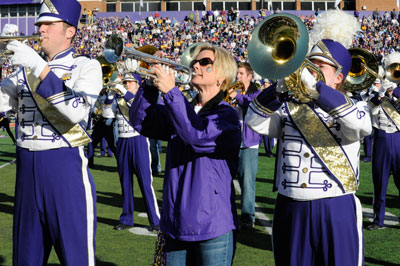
x=154, y=228
x=373, y=227
x=121, y=227
x=246, y=226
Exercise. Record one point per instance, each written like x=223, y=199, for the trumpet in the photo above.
x=114, y=49
x=236, y=86
x=277, y=49
x=5, y=39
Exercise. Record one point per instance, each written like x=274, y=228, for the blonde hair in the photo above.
x=224, y=63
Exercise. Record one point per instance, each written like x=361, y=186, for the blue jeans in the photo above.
x=155, y=148
x=217, y=251
x=248, y=164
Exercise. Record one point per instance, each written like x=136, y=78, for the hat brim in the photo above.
x=323, y=59
x=46, y=19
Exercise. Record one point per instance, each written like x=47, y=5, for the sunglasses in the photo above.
x=203, y=62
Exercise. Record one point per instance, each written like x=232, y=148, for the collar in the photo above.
x=211, y=104
x=64, y=53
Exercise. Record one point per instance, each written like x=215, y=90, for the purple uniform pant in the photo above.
x=368, y=147
x=55, y=206
x=133, y=157
x=385, y=160
x=318, y=232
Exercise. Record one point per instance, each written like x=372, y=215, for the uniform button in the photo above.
x=35, y=137
x=306, y=155
x=36, y=124
x=304, y=185
x=305, y=170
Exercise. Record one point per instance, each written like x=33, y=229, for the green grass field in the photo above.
x=123, y=248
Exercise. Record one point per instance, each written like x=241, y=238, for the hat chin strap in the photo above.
x=338, y=71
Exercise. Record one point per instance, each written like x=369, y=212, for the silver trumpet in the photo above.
x=5, y=39
x=114, y=49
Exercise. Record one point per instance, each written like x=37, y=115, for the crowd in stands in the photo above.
x=380, y=33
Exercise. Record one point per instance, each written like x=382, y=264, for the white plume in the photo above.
x=391, y=58
x=10, y=30
x=336, y=25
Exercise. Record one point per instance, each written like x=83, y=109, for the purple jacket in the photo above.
x=202, y=157
x=249, y=137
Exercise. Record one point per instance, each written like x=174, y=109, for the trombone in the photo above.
x=114, y=49
x=5, y=39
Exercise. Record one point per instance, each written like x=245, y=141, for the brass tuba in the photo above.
x=108, y=69
x=277, y=49
x=393, y=72
x=363, y=72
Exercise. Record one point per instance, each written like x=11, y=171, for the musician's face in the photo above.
x=205, y=74
x=132, y=86
x=329, y=73
x=243, y=76
x=56, y=37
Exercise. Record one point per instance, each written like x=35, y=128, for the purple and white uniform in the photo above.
x=55, y=197
x=309, y=193
x=385, y=154
x=133, y=157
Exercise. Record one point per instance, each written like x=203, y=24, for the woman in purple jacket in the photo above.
x=198, y=212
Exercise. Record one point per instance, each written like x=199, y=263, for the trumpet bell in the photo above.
x=363, y=72
x=278, y=46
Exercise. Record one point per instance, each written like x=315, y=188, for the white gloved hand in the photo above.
x=26, y=57
x=309, y=83
x=121, y=90
x=388, y=85
x=382, y=91
x=131, y=64
x=281, y=86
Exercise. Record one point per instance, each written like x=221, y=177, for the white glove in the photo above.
x=388, y=85
x=309, y=83
x=281, y=86
x=382, y=91
x=26, y=57
x=121, y=90
x=131, y=65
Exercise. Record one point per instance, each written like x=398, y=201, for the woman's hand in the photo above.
x=165, y=81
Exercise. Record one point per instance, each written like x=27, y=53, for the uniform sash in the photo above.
x=391, y=112
x=123, y=108
x=323, y=144
x=73, y=134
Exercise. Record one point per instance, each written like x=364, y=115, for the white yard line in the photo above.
x=10, y=162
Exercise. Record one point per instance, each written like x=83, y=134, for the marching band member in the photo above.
x=386, y=148
x=318, y=218
x=133, y=154
x=199, y=214
x=103, y=128
x=55, y=197
x=248, y=155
